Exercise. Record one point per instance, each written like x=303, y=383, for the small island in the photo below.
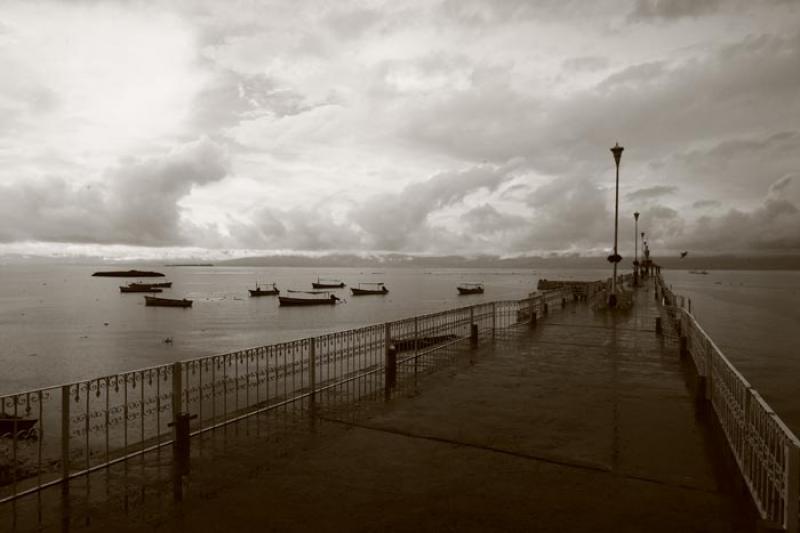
x=129, y=274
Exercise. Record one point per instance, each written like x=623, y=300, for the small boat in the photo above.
x=14, y=425
x=139, y=287
x=470, y=288
x=313, y=298
x=369, y=288
x=129, y=274
x=701, y=272
x=165, y=284
x=152, y=301
x=267, y=290
x=327, y=284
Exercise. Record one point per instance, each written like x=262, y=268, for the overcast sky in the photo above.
x=436, y=127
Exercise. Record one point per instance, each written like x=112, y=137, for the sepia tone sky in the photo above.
x=433, y=126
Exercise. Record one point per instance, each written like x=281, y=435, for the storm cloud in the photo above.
x=480, y=127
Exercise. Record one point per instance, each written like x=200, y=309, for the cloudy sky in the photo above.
x=434, y=126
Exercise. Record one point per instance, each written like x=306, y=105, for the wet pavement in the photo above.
x=586, y=423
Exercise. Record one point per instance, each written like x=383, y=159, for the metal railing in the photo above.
x=89, y=425
x=765, y=449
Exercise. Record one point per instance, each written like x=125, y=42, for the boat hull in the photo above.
x=365, y=292
x=152, y=301
x=318, y=285
x=462, y=290
x=259, y=292
x=289, y=301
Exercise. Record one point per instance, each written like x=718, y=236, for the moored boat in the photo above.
x=369, y=288
x=308, y=298
x=327, y=284
x=470, y=288
x=265, y=290
x=153, y=301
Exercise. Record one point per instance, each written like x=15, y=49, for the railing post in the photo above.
x=390, y=363
x=416, y=346
x=312, y=376
x=709, y=373
x=494, y=319
x=177, y=405
x=690, y=306
x=65, y=399
x=792, y=488
x=473, y=335
x=659, y=329
x=390, y=374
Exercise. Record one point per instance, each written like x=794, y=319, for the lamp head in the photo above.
x=617, y=151
x=636, y=215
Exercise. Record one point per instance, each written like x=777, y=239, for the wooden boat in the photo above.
x=139, y=287
x=470, y=288
x=129, y=274
x=315, y=298
x=327, y=284
x=11, y=424
x=369, y=288
x=267, y=290
x=152, y=301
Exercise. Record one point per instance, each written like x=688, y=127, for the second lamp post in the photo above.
x=615, y=258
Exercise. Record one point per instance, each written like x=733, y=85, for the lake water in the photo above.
x=754, y=317
x=59, y=324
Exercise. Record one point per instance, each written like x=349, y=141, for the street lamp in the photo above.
x=636, y=249
x=615, y=258
x=644, y=262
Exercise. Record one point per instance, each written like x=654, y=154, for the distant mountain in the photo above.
x=673, y=261
x=719, y=262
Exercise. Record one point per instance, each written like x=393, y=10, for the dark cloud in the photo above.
x=771, y=227
x=400, y=221
x=568, y=213
x=635, y=76
x=586, y=63
x=136, y=203
x=699, y=204
x=311, y=228
x=485, y=219
x=673, y=9
x=651, y=192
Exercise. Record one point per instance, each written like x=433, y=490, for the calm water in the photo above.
x=754, y=317
x=59, y=324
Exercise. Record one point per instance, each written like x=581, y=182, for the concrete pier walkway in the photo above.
x=585, y=423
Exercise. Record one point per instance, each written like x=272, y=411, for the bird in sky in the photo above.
x=684, y=254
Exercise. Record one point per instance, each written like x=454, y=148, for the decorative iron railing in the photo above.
x=765, y=449
x=51, y=435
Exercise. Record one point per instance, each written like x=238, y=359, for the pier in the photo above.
x=532, y=415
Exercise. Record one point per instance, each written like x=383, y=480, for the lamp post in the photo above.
x=644, y=263
x=615, y=258
x=636, y=249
